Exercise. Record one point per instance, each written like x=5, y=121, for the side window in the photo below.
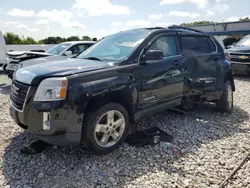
x=167, y=44
x=212, y=45
x=84, y=47
x=79, y=48
x=197, y=45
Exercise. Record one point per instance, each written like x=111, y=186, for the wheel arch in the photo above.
x=229, y=77
x=119, y=97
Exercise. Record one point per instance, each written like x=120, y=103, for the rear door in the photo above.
x=162, y=80
x=199, y=53
x=2, y=49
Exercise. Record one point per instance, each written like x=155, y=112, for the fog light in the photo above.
x=46, y=121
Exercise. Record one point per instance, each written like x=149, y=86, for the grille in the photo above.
x=240, y=57
x=18, y=94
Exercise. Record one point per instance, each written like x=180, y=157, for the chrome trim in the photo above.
x=239, y=53
x=24, y=103
x=216, y=51
x=241, y=63
x=167, y=57
x=149, y=98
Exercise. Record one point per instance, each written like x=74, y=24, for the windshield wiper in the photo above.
x=93, y=58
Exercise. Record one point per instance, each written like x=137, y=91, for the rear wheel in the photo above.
x=105, y=128
x=225, y=103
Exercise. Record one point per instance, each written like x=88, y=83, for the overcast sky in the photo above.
x=97, y=18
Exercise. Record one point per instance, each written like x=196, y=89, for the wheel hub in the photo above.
x=109, y=128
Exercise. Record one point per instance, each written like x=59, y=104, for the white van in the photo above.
x=2, y=49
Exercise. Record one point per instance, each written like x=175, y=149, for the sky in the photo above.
x=98, y=18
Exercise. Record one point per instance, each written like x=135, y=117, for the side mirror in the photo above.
x=234, y=43
x=68, y=53
x=153, y=55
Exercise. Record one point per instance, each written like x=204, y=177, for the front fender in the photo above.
x=119, y=88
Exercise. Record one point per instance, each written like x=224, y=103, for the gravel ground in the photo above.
x=213, y=144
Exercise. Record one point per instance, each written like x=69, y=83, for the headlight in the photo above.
x=13, y=66
x=52, y=89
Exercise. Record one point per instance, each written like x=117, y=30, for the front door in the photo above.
x=161, y=80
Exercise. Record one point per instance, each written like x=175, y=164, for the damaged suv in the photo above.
x=92, y=99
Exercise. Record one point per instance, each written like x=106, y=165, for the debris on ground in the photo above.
x=151, y=136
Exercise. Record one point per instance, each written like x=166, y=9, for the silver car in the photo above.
x=65, y=49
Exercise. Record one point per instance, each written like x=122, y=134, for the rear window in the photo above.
x=197, y=45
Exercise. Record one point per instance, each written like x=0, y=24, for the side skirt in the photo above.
x=157, y=108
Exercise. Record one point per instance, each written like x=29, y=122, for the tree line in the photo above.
x=11, y=38
x=209, y=22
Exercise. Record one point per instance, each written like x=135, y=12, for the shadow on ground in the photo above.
x=242, y=77
x=77, y=167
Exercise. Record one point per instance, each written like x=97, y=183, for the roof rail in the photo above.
x=184, y=28
x=155, y=28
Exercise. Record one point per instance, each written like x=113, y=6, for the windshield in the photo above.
x=116, y=47
x=56, y=50
x=245, y=41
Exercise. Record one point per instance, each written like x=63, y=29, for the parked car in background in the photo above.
x=2, y=50
x=66, y=49
x=239, y=54
x=93, y=98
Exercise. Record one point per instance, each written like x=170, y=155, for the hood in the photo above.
x=19, y=53
x=33, y=74
x=35, y=61
x=239, y=49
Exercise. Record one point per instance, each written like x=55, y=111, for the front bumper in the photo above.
x=240, y=68
x=65, y=129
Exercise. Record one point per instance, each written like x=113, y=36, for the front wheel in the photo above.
x=225, y=103
x=4, y=67
x=105, y=128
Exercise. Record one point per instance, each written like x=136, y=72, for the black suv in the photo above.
x=92, y=99
x=239, y=55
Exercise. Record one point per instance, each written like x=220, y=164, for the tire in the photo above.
x=4, y=66
x=225, y=103
x=92, y=138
